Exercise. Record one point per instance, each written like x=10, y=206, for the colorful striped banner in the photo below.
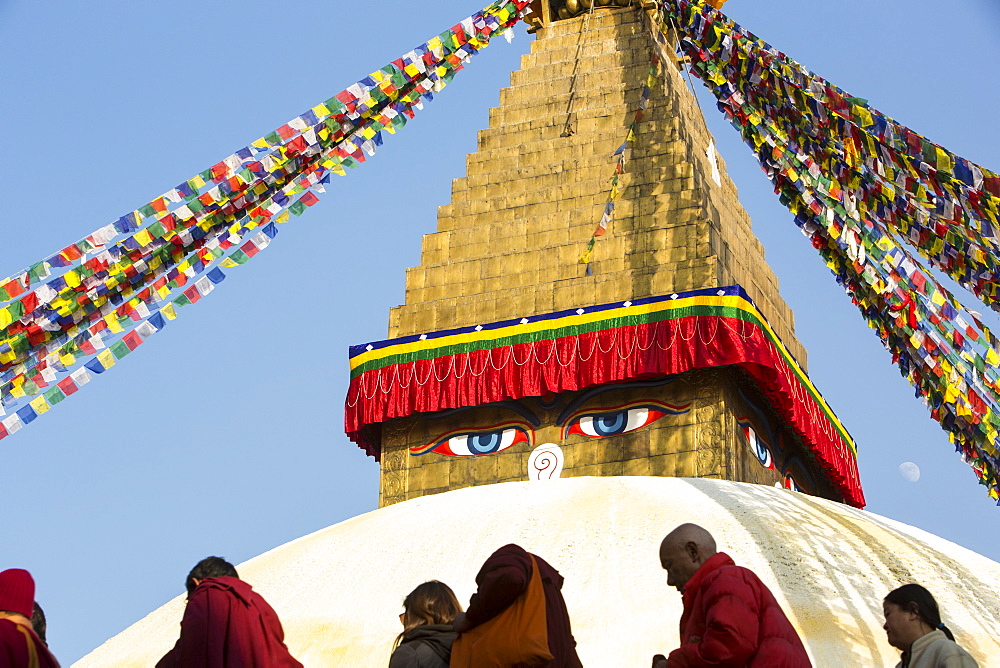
x=577, y=348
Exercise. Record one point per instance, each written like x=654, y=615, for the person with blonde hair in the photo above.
x=427, y=637
x=913, y=625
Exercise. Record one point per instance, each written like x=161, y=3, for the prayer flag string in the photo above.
x=868, y=191
x=622, y=154
x=84, y=308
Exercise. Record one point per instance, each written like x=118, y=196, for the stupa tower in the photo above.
x=503, y=273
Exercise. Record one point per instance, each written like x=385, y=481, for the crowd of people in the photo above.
x=516, y=618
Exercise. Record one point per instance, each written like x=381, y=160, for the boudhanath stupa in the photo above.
x=583, y=406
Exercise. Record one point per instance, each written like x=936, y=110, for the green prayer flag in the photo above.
x=157, y=229
x=54, y=396
x=38, y=270
x=297, y=208
x=15, y=310
x=119, y=349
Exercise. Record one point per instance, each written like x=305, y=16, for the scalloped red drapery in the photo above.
x=575, y=349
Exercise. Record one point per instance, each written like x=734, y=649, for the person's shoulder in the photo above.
x=404, y=656
x=944, y=648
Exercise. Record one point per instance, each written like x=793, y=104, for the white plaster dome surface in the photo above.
x=339, y=591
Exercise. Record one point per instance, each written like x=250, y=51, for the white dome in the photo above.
x=339, y=591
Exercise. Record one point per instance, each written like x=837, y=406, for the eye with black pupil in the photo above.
x=610, y=424
x=483, y=444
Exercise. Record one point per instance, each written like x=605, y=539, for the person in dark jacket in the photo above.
x=427, y=637
x=227, y=624
x=503, y=577
x=730, y=617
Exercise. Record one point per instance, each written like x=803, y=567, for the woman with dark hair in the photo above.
x=427, y=637
x=913, y=625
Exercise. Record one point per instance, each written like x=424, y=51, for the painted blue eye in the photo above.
x=471, y=444
x=757, y=445
x=609, y=424
x=483, y=444
x=612, y=423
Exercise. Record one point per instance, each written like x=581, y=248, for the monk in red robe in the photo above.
x=19, y=645
x=505, y=576
x=226, y=624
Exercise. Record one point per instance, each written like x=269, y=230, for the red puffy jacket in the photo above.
x=731, y=619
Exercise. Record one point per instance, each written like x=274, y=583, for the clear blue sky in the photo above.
x=223, y=434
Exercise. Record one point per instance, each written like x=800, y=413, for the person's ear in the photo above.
x=692, y=550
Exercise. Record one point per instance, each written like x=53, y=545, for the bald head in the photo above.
x=683, y=552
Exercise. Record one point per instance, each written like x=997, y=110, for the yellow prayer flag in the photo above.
x=67, y=359
x=40, y=405
x=992, y=358
x=72, y=278
x=106, y=359
x=260, y=143
x=169, y=312
x=863, y=115
x=321, y=110
x=585, y=258
x=143, y=237
x=112, y=321
x=283, y=217
x=944, y=161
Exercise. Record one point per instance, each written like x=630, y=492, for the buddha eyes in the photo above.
x=486, y=442
x=592, y=424
x=757, y=446
x=619, y=421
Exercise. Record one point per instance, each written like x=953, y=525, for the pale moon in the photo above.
x=909, y=471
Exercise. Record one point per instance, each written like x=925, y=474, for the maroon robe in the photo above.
x=505, y=576
x=15, y=650
x=228, y=625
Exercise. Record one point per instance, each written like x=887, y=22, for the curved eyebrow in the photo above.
x=593, y=392
x=510, y=405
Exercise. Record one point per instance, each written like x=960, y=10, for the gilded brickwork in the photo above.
x=508, y=246
x=509, y=242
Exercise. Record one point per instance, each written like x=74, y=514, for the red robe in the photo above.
x=503, y=577
x=731, y=619
x=228, y=625
x=16, y=642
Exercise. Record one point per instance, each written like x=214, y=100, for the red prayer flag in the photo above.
x=192, y=294
x=309, y=199
x=13, y=288
x=133, y=340
x=250, y=248
x=67, y=386
x=30, y=302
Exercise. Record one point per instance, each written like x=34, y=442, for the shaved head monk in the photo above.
x=227, y=624
x=730, y=617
